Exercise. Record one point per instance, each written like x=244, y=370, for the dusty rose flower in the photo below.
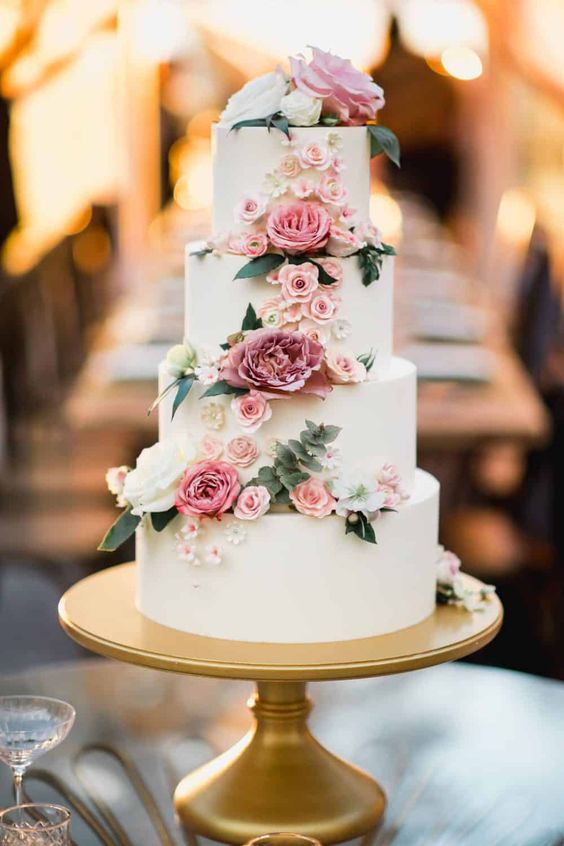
x=369, y=233
x=208, y=489
x=277, y=363
x=315, y=155
x=298, y=281
x=343, y=367
x=315, y=331
x=299, y=227
x=322, y=307
x=251, y=410
x=342, y=242
x=211, y=448
x=289, y=166
x=313, y=498
x=335, y=269
x=253, y=502
x=332, y=190
x=345, y=91
x=250, y=209
x=271, y=313
x=303, y=188
x=255, y=244
x=242, y=451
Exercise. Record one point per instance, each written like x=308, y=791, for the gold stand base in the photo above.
x=279, y=778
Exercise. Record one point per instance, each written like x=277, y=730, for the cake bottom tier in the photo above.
x=297, y=579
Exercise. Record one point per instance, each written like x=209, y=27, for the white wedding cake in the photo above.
x=282, y=502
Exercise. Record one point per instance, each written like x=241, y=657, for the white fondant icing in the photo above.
x=377, y=419
x=242, y=158
x=216, y=303
x=297, y=579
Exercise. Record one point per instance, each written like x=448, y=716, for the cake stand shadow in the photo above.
x=278, y=777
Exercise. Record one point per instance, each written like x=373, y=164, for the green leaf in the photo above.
x=362, y=528
x=285, y=455
x=280, y=122
x=312, y=446
x=161, y=519
x=184, y=386
x=324, y=277
x=313, y=427
x=329, y=120
x=282, y=497
x=329, y=433
x=163, y=393
x=290, y=480
x=223, y=388
x=367, y=359
x=250, y=320
x=250, y=122
x=119, y=531
x=387, y=249
x=203, y=252
x=260, y=266
x=383, y=140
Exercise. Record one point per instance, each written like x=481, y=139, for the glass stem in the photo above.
x=18, y=785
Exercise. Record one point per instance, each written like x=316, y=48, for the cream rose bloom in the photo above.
x=300, y=109
x=152, y=485
x=258, y=98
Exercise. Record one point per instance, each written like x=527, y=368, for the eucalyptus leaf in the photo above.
x=260, y=266
x=290, y=480
x=223, y=388
x=161, y=519
x=285, y=455
x=280, y=122
x=119, y=531
x=184, y=386
x=282, y=497
x=329, y=433
x=383, y=140
x=163, y=393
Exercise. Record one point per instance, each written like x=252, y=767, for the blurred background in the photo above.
x=105, y=174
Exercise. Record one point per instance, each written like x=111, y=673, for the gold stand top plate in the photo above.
x=99, y=612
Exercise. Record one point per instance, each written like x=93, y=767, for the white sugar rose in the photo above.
x=152, y=485
x=300, y=109
x=258, y=98
x=180, y=360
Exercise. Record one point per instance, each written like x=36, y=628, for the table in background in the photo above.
x=468, y=756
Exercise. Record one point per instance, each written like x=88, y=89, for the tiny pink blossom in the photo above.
x=211, y=447
x=250, y=209
x=313, y=498
x=254, y=244
x=115, y=480
x=348, y=217
x=251, y=410
x=187, y=552
x=342, y=242
x=321, y=308
x=303, y=188
x=338, y=164
x=299, y=281
x=213, y=555
x=332, y=190
x=389, y=475
x=253, y=502
x=343, y=368
x=369, y=233
x=207, y=374
x=190, y=530
x=242, y=451
x=315, y=155
x=289, y=166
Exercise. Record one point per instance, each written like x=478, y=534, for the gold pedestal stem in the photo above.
x=279, y=778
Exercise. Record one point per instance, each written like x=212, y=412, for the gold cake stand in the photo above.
x=278, y=777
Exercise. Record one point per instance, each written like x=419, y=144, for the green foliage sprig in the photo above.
x=370, y=260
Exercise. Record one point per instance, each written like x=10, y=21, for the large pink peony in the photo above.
x=299, y=227
x=345, y=91
x=277, y=363
x=208, y=489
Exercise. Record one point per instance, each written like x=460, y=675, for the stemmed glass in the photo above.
x=29, y=727
x=35, y=825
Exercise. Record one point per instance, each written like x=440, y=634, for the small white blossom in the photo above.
x=207, y=374
x=190, y=530
x=341, y=328
x=271, y=447
x=332, y=458
x=209, y=355
x=213, y=416
x=357, y=491
x=180, y=360
x=334, y=141
x=235, y=533
x=275, y=184
x=115, y=480
x=187, y=552
x=213, y=555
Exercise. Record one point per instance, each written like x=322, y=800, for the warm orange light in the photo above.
x=92, y=250
x=516, y=217
x=386, y=214
x=462, y=62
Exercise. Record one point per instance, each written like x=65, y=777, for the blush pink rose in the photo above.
x=208, y=489
x=312, y=498
x=303, y=188
x=254, y=245
x=250, y=208
x=348, y=216
x=299, y=227
x=343, y=368
x=292, y=313
x=331, y=189
x=321, y=308
x=242, y=451
x=211, y=448
x=338, y=164
x=277, y=363
x=342, y=242
x=289, y=166
x=316, y=331
x=298, y=281
x=345, y=91
x=251, y=410
x=369, y=233
x=271, y=313
x=315, y=155
x=253, y=502
x=335, y=269
x=235, y=243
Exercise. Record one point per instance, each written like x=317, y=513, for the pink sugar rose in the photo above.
x=303, y=188
x=299, y=227
x=335, y=269
x=292, y=313
x=342, y=242
x=369, y=233
x=211, y=448
x=277, y=363
x=345, y=91
x=208, y=489
x=253, y=502
x=315, y=331
x=331, y=190
x=255, y=244
x=312, y=498
x=389, y=475
x=251, y=410
x=298, y=281
x=315, y=155
x=271, y=312
x=242, y=451
x=235, y=243
x=321, y=308
x=250, y=208
x=338, y=164
x=289, y=166
x=343, y=368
